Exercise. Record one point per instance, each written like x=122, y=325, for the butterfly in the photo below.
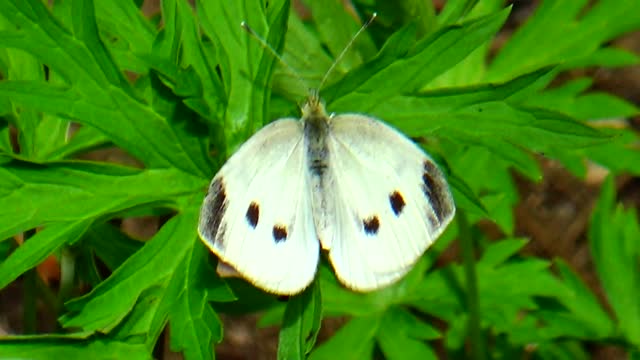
x=349, y=184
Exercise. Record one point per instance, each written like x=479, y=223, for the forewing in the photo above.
x=391, y=202
x=257, y=216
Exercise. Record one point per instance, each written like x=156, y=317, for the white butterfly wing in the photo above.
x=390, y=202
x=257, y=214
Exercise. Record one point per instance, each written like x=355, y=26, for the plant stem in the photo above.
x=29, y=311
x=478, y=351
x=67, y=274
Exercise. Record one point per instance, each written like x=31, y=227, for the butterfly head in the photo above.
x=313, y=107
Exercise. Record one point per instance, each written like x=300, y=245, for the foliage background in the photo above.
x=176, y=93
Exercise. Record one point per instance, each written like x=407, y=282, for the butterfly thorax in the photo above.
x=316, y=129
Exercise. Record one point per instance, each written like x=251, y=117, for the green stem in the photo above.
x=67, y=274
x=45, y=294
x=29, y=311
x=478, y=350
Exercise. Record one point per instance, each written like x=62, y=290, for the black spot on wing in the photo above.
x=217, y=205
x=397, y=202
x=371, y=225
x=279, y=233
x=253, y=214
x=436, y=191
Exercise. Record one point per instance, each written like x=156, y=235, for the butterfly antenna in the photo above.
x=346, y=48
x=273, y=52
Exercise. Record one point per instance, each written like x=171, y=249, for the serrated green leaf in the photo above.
x=501, y=250
x=195, y=326
x=338, y=300
x=126, y=32
x=429, y=58
x=401, y=336
x=563, y=350
x=607, y=57
x=246, y=68
x=465, y=197
x=590, y=319
x=195, y=61
x=68, y=347
x=472, y=69
x=38, y=247
x=106, y=305
x=31, y=193
x=354, y=340
x=613, y=238
x=84, y=139
x=453, y=11
x=567, y=99
x=619, y=155
x=109, y=244
x=336, y=29
x=563, y=32
x=96, y=92
x=300, y=324
x=300, y=46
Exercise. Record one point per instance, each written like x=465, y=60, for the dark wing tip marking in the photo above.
x=435, y=189
x=397, y=202
x=371, y=225
x=279, y=233
x=253, y=214
x=217, y=205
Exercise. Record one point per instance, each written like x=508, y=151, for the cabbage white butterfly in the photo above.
x=366, y=194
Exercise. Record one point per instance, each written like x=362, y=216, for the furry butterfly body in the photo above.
x=347, y=183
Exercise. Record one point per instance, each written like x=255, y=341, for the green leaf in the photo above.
x=300, y=324
x=401, y=336
x=96, y=93
x=455, y=10
x=563, y=32
x=301, y=45
x=246, y=68
x=501, y=291
x=84, y=139
x=31, y=193
x=37, y=248
x=111, y=245
x=126, y=32
x=619, y=155
x=501, y=251
x=472, y=69
x=567, y=99
x=70, y=347
x=338, y=300
x=354, y=340
x=429, y=58
x=36, y=135
x=106, y=305
x=194, y=324
x=586, y=317
x=613, y=237
x=336, y=28
x=181, y=41
x=465, y=197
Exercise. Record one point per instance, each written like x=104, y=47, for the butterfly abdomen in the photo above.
x=316, y=129
x=316, y=132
